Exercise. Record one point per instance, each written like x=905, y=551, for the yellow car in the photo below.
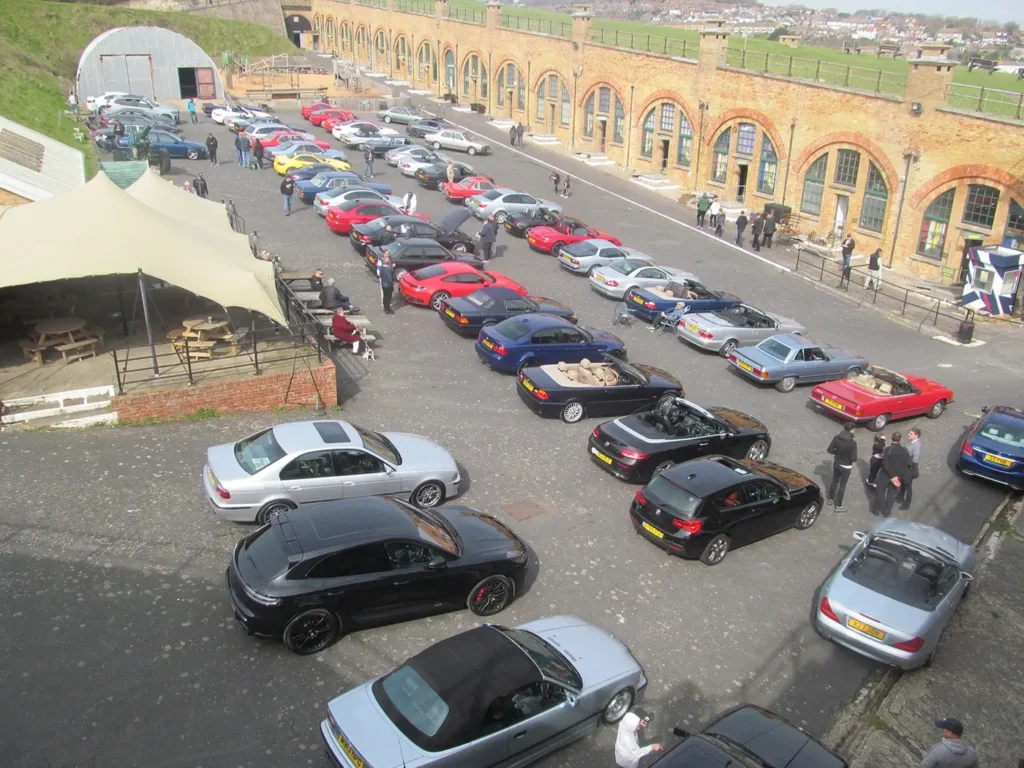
x=288, y=163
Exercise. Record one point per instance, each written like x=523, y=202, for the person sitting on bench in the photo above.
x=332, y=298
x=316, y=282
x=345, y=331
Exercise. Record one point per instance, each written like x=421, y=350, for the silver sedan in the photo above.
x=614, y=280
x=339, y=195
x=892, y=596
x=402, y=115
x=411, y=162
x=584, y=257
x=740, y=326
x=304, y=462
x=392, y=156
x=452, y=139
x=503, y=202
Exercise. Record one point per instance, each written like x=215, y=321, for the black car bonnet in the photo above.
x=451, y=223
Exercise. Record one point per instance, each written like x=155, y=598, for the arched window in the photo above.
x=769, y=167
x=668, y=118
x=588, y=116
x=1014, y=236
x=427, y=63
x=620, y=122
x=363, y=45
x=500, y=85
x=483, y=81
x=470, y=71
x=520, y=89
x=746, y=135
x=510, y=78
x=329, y=28
x=980, y=209
x=401, y=54
x=552, y=93
x=449, y=71
x=605, y=104
x=685, y=146
x=876, y=198
x=720, y=156
x=346, y=38
x=566, y=114
x=647, y=135
x=814, y=186
x=380, y=46
x=847, y=167
x=935, y=224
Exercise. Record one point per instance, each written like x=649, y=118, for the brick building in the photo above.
x=912, y=164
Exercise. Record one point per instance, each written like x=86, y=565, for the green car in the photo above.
x=402, y=115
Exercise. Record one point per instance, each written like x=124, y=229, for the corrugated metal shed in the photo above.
x=145, y=61
x=124, y=173
x=34, y=166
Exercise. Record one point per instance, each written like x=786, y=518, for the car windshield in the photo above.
x=258, y=451
x=582, y=249
x=665, y=493
x=514, y=328
x=480, y=299
x=775, y=348
x=494, y=194
x=415, y=700
x=1003, y=429
x=900, y=571
x=432, y=528
x=627, y=266
x=379, y=444
x=551, y=663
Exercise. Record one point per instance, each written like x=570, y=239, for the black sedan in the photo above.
x=446, y=232
x=432, y=176
x=635, y=448
x=415, y=252
x=572, y=391
x=309, y=171
x=520, y=224
x=309, y=575
x=420, y=128
x=488, y=306
x=379, y=145
x=705, y=507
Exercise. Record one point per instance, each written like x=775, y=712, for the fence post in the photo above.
x=817, y=71
x=906, y=295
x=847, y=81
x=878, y=83
x=188, y=363
x=938, y=306
x=1020, y=105
x=821, y=278
x=790, y=71
x=796, y=267
x=981, y=100
x=117, y=373
x=664, y=46
x=743, y=59
x=319, y=343
x=255, y=352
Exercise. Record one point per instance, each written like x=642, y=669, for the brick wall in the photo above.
x=301, y=388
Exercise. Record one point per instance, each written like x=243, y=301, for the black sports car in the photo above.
x=520, y=224
x=420, y=128
x=432, y=176
x=636, y=447
x=379, y=145
x=705, y=507
x=415, y=252
x=332, y=567
x=308, y=172
x=488, y=306
x=446, y=231
x=572, y=391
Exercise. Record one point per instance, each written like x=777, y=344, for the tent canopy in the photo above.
x=99, y=229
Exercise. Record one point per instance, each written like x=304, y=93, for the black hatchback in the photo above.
x=706, y=507
x=312, y=574
x=415, y=252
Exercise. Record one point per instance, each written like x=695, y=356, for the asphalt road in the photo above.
x=118, y=637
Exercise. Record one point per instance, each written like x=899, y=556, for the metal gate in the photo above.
x=129, y=74
x=204, y=79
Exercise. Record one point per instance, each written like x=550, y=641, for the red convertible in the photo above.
x=340, y=218
x=554, y=238
x=318, y=118
x=467, y=188
x=430, y=286
x=879, y=396
x=313, y=108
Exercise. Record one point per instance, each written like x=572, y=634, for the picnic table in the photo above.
x=359, y=321
x=310, y=298
x=292, y=277
x=68, y=334
x=202, y=327
x=58, y=326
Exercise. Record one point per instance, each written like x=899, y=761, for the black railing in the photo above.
x=538, y=25
x=423, y=7
x=843, y=75
x=469, y=15
x=235, y=219
x=664, y=46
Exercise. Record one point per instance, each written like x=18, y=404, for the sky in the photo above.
x=996, y=10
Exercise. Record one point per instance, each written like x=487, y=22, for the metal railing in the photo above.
x=469, y=15
x=844, y=75
x=373, y=3
x=533, y=24
x=988, y=100
x=665, y=46
x=422, y=7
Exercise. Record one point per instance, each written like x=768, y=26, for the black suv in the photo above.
x=414, y=252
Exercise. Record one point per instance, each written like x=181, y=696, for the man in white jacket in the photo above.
x=628, y=752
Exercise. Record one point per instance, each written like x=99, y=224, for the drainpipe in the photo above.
x=909, y=157
x=629, y=130
x=528, y=94
x=440, y=73
x=490, y=74
x=789, y=158
x=575, y=85
x=703, y=107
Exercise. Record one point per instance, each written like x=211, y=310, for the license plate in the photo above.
x=652, y=530
x=601, y=456
x=213, y=478
x=449, y=313
x=600, y=278
x=508, y=226
x=998, y=460
x=373, y=259
x=489, y=344
x=860, y=626
x=833, y=403
x=528, y=384
x=692, y=328
x=349, y=752
x=637, y=299
x=745, y=366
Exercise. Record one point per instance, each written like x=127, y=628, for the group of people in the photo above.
x=515, y=135
x=892, y=469
x=762, y=226
x=874, y=277
x=248, y=153
x=562, y=183
x=197, y=186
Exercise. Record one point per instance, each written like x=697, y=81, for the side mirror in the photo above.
x=437, y=563
x=966, y=576
x=570, y=699
x=859, y=535
x=681, y=733
x=389, y=470
x=984, y=409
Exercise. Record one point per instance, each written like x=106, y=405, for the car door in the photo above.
x=547, y=348
x=354, y=583
x=312, y=477
x=424, y=580
x=649, y=277
x=363, y=474
x=526, y=202
x=541, y=715
x=434, y=254
x=740, y=515
x=607, y=256
x=817, y=366
x=410, y=258
x=908, y=401
x=774, y=513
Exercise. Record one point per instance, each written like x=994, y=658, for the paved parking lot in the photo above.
x=113, y=566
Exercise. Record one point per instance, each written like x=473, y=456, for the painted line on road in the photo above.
x=577, y=179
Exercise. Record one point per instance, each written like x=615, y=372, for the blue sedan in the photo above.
x=649, y=303
x=994, y=448
x=539, y=339
x=310, y=188
x=176, y=146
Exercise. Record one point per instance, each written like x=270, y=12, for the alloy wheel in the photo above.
x=310, y=632
x=572, y=413
x=438, y=298
x=490, y=596
x=758, y=451
x=936, y=410
x=428, y=495
x=715, y=551
x=786, y=384
x=878, y=423
x=853, y=373
x=618, y=706
x=663, y=467
x=272, y=510
x=728, y=348
x=808, y=515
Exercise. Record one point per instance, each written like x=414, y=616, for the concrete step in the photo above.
x=376, y=75
x=91, y=419
x=502, y=123
x=61, y=405
x=595, y=161
x=544, y=138
x=419, y=92
x=656, y=183
x=396, y=83
x=462, y=108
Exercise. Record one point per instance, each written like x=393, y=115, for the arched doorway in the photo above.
x=474, y=79
x=510, y=88
x=554, y=109
x=449, y=71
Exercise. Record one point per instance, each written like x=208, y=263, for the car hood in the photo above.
x=482, y=531
x=452, y=221
x=659, y=373
x=369, y=731
x=738, y=419
x=419, y=453
x=221, y=460
x=596, y=654
x=546, y=233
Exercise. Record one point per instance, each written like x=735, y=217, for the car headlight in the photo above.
x=642, y=682
x=517, y=556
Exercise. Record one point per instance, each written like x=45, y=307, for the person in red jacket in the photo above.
x=345, y=331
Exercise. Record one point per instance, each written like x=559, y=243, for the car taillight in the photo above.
x=500, y=350
x=222, y=492
x=612, y=283
x=732, y=358
x=649, y=305
x=596, y=432
x=705, y=334
x=912, y=646
x=629, y=453
x=364, y=239
x=968, y=449
x=540, y=394
x=640, y=498
x=574, y=261
x=690, y=526
x=762, y=374
x=826, y=609
x=462, y=320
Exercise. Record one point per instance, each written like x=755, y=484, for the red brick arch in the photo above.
x=379, y=31
x=480, y=57
x=545, y=73
x=754, y=116
x=659, y=96
x=592, y=87
x=969, y=173
x=874, y=152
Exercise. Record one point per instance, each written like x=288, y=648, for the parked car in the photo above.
x=341, y=565
x=420, y=128
x=262, y=130
x=621, y=277
x=460, y=191
x=433, y=175
x=95, y=103
x=278, y=469
x=308, y=190
x=339, y=195
x=302, y=147
x=176, y=146
x=504, y=202
x=703, y=508
x=350, y=133
x=223, y=116
x=401, y=115
x=416, y=253
x=341, y=218
x=276, y=137
x=686, y=293
x=537, y=339
x=285, y=163
x=488, y=696
x=332, y=122
x=134, y=115
x=737, y=326
x=607, y=387
x=447, y=231
x=584, y=257
x=878, y=396
x=786, y=361
x=637, y=447
x=308, y=110
x=520, y=224
x=341, y=115
x=895, y=592
x=460, y=140
x=380, y=145
x=410, y=162
x=392, y=156
x=140, y=104
x=489, y=306
x=994, y=447
x=430, y=286
x=310, y=171
x=552, y=238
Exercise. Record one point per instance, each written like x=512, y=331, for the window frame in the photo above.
x=935, y=221
x=647, y=134
x=620, y=121
x=811, y=177
x=768, y=167
x=746, y=139
x=875, y=202
x=720, y=156
x=668, y=110
x=972, y=206
x=588, y=116
x=847, y=160
x=684, y=141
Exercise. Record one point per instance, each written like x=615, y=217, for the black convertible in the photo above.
x=636, y=447
x=434, y=175
x=574, y=390
x=416, y=252
x=447, y=231
x=520, y=224
x=488, y=306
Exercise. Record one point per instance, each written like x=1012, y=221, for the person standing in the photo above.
x=386, y=276
x=556, y=179
x=703, y=203
x=368, y=159
x=906, y=494
x=565, y=185
x=769, y=230
x=847, y=246
x=488, y=234
x=951, y=751
x=73, y=101
x=409, y=203
x=844, y=448
x=201, y=187
x=895, y=469
x=287, y=190
x=449, y=173
x=211, y=148
x=874, y=279
x=756, y=228
x=387, y=237
x=520, y=130
x=877, y=453
x=512, y=133
x=257, y=154
x=714, y=210
x=628, y=752
x=239, y=146
x=192, y=110
x=741, y=224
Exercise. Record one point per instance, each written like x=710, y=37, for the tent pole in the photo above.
x=120, y=306
x=149, y=329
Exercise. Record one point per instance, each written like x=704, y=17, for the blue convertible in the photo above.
x=994, y=448
x=542, y=340
x=309, y=189
x=649, y=303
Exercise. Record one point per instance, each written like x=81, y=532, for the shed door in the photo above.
x=207, y=89
x=140, y=76
x=115, y=74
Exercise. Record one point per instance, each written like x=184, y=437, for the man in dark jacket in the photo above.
x=488, y=234
x=520, y=129
x=769, y=230
x=387, y=237
x=741, y=225
x=703, y=203
x=512, y=136
x=895, y=469
x=241, y=149
x=332, y=298
x=386, y=276
x=368, y=160
x=257, y=154
x=847, y=246
x=844, y=448
x=211, y=148
x=287, y=190
x=756, y=228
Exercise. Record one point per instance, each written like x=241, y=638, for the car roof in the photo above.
x=332, y=525
x=704, y=477
x=775, y=740
x=497, y=292
x=539, y=321
x=402, y=219
x=405, y=242
x=300, y=436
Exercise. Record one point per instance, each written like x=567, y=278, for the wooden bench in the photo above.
x=32, y=350
x=79, y=350
x=236, y=341
x=95, y=333
x=986, y=64
x=887, y=49
x=195, y=350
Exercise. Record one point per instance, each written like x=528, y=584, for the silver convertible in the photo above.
x=787, y=360
x=490, y=696
x=738, y=326
x=304, y=462
x=894, y=593
x=587, y=255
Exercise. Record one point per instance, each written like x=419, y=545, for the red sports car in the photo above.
x=309, y=109
x=554, y=238
x=879, y=396
x=429, y=286
x=340, y=218
x=283, y=137
x=329, y=123
x=318, y=118
x=469, y=186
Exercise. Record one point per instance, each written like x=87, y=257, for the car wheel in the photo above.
x=878, y=423
x=387, y=118
x=311, y=631
x=471, y=150
x=436, y=145
x=490, y=596
x=666, y=400
x=786, y=384
x=808, y=515
x=437, y=298
x=415, y=134
x=459, y=248
x=193, y=154
x=664, y=466
x=557, y=248
x=758, y=451
x=853, y=373
x=936, y=410
x=728, y=348
x=573, y=412
x=591, y=271
x=931, y=656
x=500, y=217
x=273, y=509
x=716, y=550
x=429, y=495
x=524, y=364
x=617, y=708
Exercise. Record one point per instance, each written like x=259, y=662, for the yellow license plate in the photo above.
x=860, y=626
x=745, y=366
x=373, y=259
x=529, y=385
x=692, y=328
x=998, y=460
x=449, y=313
x=652, y=530
x=488, y=344
x=833, y=403
x=637, y=299
x=213, y=478
x=349, y=752
x=601, y=456
x=508, y=226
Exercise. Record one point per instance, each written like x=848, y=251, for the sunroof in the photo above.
x=332, y=432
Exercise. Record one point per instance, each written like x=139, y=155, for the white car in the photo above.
x=614, y=280
x=361, y=128
x=392, y=156
x=452, y=139
x=98, y=102
x=220, y=116
x=410, y=163
x=332, y=197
